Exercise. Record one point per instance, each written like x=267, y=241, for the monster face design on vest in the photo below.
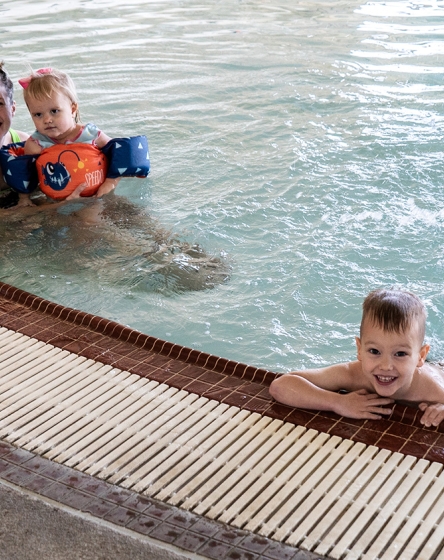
x=61, y=170
x=56, y=175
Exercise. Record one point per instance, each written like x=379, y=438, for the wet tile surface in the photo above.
x=197, y=372
x=143, y=515
x=230, y=382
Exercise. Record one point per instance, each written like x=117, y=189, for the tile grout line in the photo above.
x=230, y=388
x=187, y=371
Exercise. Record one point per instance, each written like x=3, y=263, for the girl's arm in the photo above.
x=102, y=140
x=109, y=184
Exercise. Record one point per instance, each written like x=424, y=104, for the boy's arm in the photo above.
x=318, y=390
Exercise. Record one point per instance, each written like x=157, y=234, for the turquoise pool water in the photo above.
x=299, y=141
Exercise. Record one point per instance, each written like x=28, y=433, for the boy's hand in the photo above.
x=363, y=405
x=433, y=414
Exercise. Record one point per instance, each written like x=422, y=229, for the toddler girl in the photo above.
x=70, y=163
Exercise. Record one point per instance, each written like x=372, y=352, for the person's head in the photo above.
x=50, y=95
x=7, y=103
x=45, y=83
x=391, y=343
x=394, y=311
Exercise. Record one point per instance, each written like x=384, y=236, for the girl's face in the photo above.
x=54, y=116
x=7, y=111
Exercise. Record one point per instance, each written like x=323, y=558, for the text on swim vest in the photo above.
x=94, y=178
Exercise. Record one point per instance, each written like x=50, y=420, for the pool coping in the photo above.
x=224, y=380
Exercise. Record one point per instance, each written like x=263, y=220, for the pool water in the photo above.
x=296, y=143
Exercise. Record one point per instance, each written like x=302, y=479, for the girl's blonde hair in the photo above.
x=42, y=86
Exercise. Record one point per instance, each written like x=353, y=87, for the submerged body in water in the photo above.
x=303, y=137
x=114, y=239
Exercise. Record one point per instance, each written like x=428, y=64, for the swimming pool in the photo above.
x=298, y=141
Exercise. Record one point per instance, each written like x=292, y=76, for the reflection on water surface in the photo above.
x=299, y=142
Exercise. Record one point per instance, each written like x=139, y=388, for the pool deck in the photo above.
x=94, y=516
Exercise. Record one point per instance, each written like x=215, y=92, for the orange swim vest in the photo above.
x=63, y=167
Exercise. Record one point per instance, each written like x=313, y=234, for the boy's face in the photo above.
x=389, y=360
x=54, y=116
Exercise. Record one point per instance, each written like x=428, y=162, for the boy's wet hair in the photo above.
x=42, y=86
x=7, y=83
x=394, y=311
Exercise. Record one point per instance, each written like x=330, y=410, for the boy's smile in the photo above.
x=390, y=360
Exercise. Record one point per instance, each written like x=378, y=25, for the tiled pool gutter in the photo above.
x=209, y=376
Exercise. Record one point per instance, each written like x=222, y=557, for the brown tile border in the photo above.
x=217, y=378
x=136, y=338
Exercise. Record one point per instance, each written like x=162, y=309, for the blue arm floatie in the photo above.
x=127, y=157
x=19, y=170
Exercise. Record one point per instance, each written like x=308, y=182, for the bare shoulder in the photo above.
x=22, y=135
x=433, y=370
x=102, y=139
x=7, y=139
x=428, y=384
x=347, y=376
x=435, y=366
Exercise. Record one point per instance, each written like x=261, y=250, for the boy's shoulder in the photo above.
x=352, y=375
x=346, y=375
x=433, y=371
x=428, y=383
x=437, y=367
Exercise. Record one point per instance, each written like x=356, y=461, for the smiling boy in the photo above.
x=390, y=368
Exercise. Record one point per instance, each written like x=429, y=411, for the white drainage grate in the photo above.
x=321, y=493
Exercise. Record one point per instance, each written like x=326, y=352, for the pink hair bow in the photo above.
x=24, y=82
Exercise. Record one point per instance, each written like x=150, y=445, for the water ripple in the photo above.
x=298, y=142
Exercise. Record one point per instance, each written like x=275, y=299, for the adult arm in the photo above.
x=32, y=147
